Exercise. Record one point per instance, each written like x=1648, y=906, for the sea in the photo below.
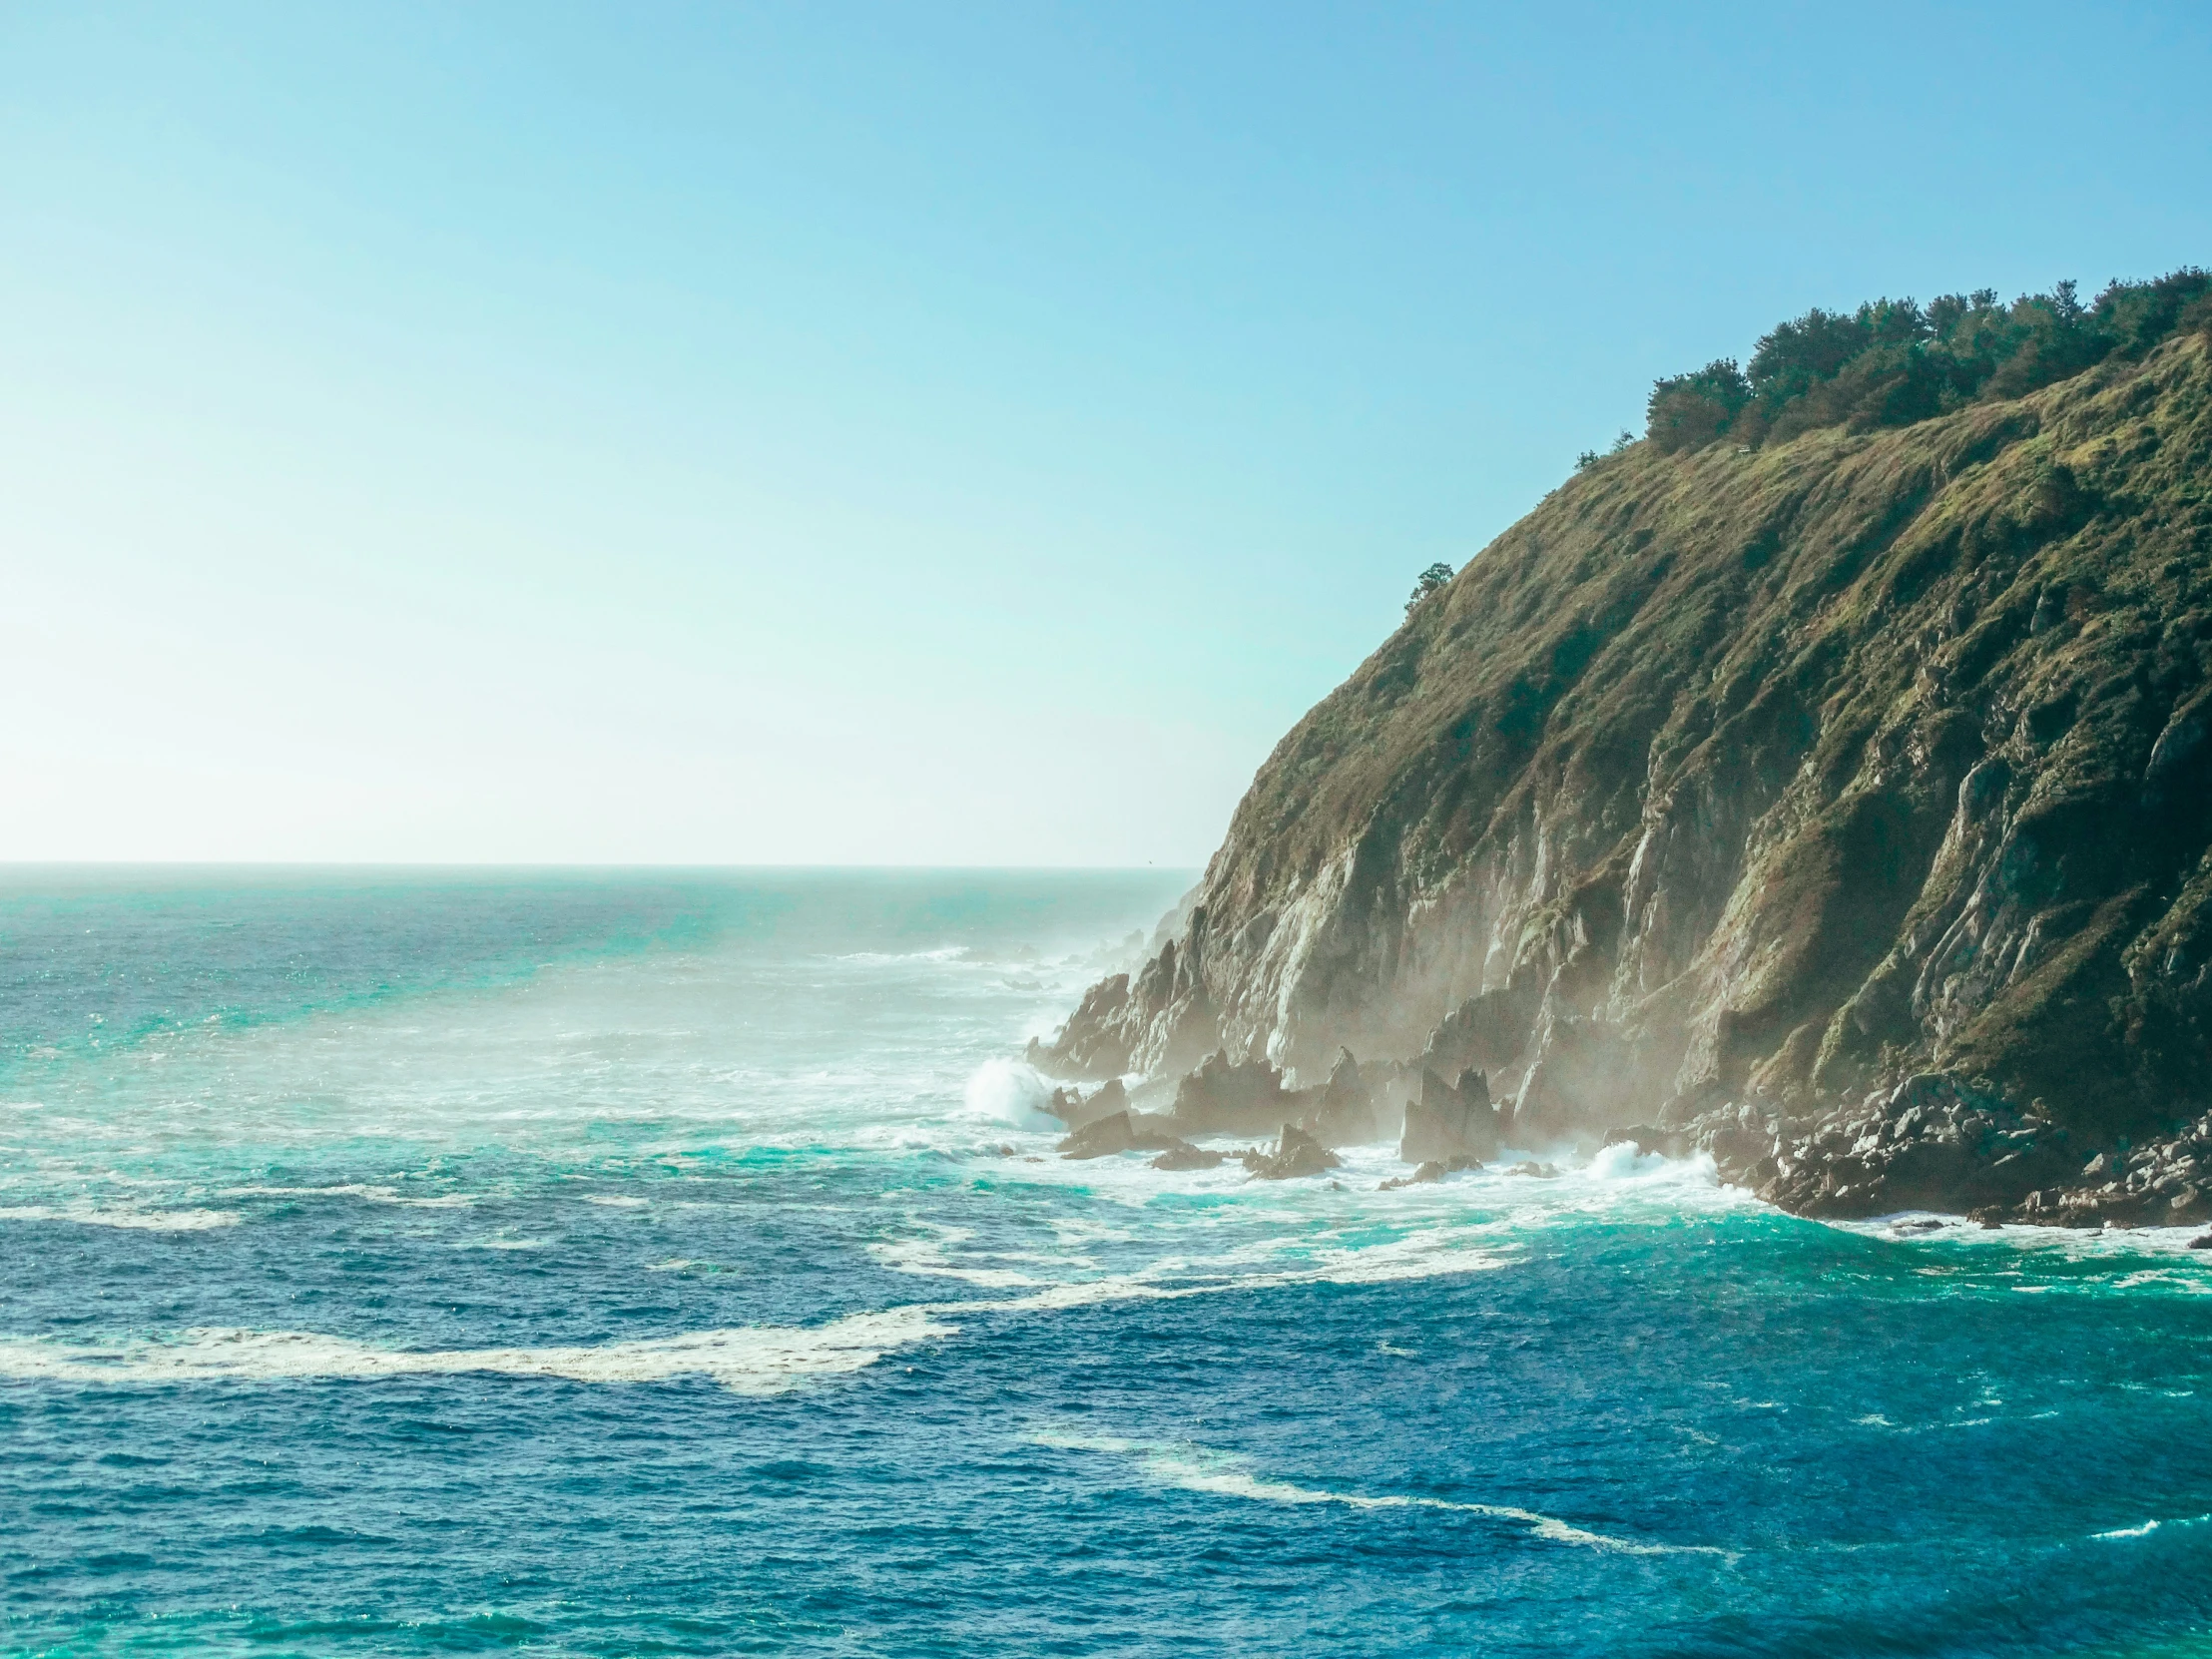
x=678, y=1262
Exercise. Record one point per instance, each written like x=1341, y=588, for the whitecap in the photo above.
x=148, y=1220
x=359, y=1190
x=1197, y=1470
x=748, y=1360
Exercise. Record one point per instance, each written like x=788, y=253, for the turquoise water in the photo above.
x=671, y=1263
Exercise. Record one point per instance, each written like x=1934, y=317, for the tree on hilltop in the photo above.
x=1432, y=579
x=1891, y=363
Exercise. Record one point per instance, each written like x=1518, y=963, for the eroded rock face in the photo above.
x=1450, y=1120
x=1768, y=781
x=1241, y=1098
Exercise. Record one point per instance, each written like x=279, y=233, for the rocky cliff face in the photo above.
x=1739, y=789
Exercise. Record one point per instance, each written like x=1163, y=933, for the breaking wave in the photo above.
x=1010, y=1093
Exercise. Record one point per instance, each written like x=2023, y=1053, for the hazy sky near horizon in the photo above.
x=922, y=434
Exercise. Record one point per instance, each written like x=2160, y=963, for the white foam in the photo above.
x=1195, y=1469
x=750, y=1360
x=1621, y=1161
x=926, y=1257
x=150, y=1221
x=1432, y=1254
x=1011, y=1093
x=356, y=1189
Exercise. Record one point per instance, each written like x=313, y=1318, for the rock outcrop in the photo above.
x=1732, y=792
x=1122, y=1132
x=1295, y=1153
x=1077, y=1110
x=1450, y=1120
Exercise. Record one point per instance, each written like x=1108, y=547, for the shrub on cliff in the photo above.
x=1432, y=579
x=1690, y=410
x=1893, y=362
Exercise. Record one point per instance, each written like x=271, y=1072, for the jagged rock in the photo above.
x=1075, y=1110
x=1295, y=1153
x=1774, y=778
x=1122, y=1132
x=1347, y=1113
x=1187, y=1156
x=1434, y=1169
x=1162, y=1021
x=1541, y=1172
x=1093, y=1043
x=1668, y=1143
x=1225, y=1098
x=1486, y=1031
x=1450, y=1120
x=1930, y=1143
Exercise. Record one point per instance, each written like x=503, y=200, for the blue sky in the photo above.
x=939, y=435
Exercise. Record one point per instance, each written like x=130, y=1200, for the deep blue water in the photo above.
x=661, y=1264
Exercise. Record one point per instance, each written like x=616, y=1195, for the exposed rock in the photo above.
x=1093, y=1045
x=1122, y=1132
x=1750, y=784
x=1541, y=1172
x=1668, y=1143
x=1220, y=1097
x=1347, y=1114
x=1432, y=1170
x=1435, y=1169
x=1076, y=1110
x=1187, y=1156
x=1936, y=1143
x=1295, y=1153
x=1450, y=1120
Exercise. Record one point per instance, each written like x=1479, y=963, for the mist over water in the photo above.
x=678, y=1262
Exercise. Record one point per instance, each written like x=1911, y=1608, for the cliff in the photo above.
x=1768, y=800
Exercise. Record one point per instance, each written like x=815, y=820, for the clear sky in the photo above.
x=923, y=434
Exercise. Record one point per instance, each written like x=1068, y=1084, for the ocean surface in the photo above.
x=673, y=1263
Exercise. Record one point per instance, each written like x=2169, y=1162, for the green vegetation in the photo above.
x=1590, y=457
x=1893, y=362
x=1432, y=579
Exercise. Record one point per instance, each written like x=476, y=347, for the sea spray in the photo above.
x=1011, y=1093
